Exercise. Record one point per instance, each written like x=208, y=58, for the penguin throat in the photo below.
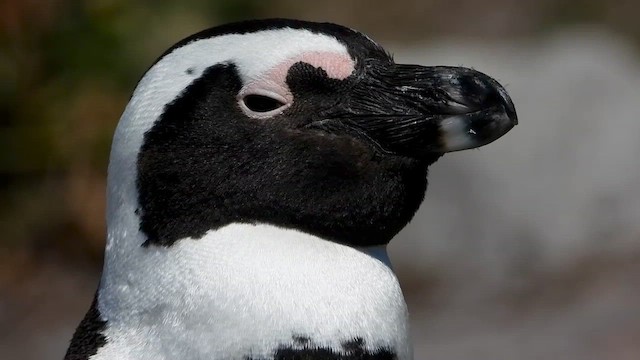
x=250, y=289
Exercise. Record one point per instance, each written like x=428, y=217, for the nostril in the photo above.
x=474, y=90
x=464, y=93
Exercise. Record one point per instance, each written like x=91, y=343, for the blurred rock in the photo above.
x=548, y=215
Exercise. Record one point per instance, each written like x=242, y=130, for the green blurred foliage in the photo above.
x=67, y=70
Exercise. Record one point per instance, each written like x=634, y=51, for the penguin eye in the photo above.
x=261, y=103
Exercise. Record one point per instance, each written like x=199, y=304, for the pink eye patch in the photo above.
x=273, y=84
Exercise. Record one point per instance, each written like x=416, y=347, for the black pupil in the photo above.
x=260, y=103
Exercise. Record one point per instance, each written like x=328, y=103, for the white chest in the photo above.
x=244, y=290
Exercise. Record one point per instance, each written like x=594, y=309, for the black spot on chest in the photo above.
x=303, y=348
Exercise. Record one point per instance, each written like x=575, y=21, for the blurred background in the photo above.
x=528, y=248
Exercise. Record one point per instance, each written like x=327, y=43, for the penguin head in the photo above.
x=301, y=125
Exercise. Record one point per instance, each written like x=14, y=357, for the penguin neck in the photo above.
x=255, y=289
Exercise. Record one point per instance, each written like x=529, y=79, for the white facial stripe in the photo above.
x=254, y=53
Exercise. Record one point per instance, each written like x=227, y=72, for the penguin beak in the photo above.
x=418, y=111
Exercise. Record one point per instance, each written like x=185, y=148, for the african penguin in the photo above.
x=255, y=178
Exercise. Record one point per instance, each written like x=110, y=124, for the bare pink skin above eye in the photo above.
x=273, y=82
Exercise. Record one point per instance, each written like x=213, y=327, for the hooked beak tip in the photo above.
x=491, y=114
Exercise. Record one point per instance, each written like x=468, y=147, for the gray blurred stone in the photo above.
x=561, y=190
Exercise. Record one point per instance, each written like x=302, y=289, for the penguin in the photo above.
x=255, y=178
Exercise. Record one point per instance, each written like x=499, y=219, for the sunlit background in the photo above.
x=528, y=248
